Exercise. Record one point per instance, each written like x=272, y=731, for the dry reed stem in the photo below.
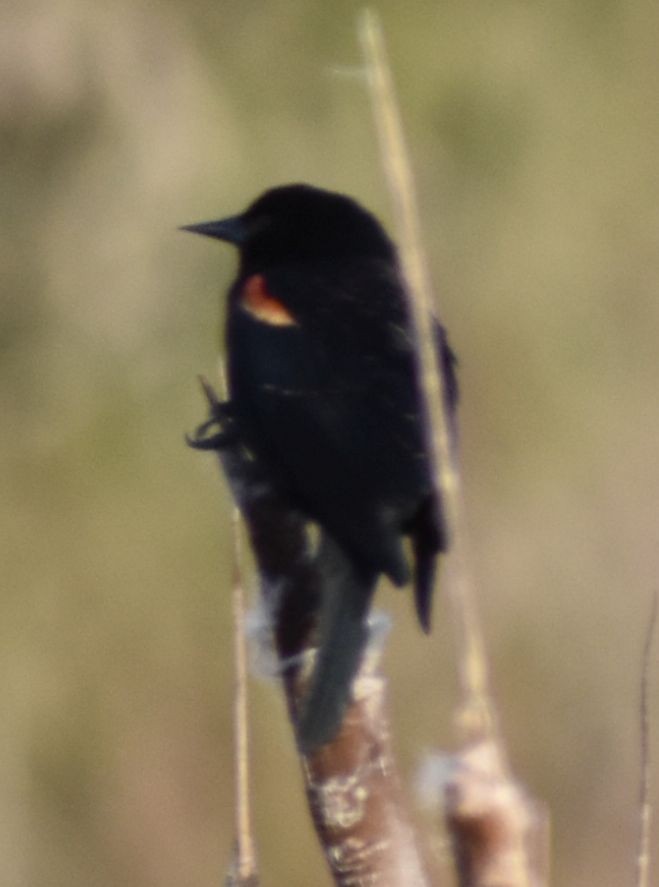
x=243, y=868
x=477, y=714
x=645, y=805
x=493, y=825
x=245, y=852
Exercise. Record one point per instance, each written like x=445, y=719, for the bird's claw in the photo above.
x=220, y=418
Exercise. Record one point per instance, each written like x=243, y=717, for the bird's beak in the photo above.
x=233, y=229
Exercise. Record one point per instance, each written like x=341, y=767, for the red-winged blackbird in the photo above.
x=324, y=390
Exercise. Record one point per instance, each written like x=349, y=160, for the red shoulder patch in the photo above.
x=257, y=301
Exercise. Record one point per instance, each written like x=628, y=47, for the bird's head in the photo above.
x=298, y=223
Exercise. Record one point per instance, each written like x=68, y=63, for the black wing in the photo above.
x=331, y=405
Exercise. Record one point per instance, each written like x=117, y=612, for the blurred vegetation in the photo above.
x=534, y=133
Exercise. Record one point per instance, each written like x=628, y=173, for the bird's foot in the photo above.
x=217, y=432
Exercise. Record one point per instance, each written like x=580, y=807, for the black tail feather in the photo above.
x=425, y=563
x=428, y=540
x=346, y=597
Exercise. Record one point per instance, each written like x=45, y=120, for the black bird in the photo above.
x=324, y=390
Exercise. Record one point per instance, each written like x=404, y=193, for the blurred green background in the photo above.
x=534, y=133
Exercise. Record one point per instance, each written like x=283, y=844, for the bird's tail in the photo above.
x=342, y=636
x=429, y=538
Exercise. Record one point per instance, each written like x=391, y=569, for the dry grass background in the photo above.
x=534, y=135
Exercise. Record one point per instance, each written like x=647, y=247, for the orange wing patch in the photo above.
x=257, y=301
